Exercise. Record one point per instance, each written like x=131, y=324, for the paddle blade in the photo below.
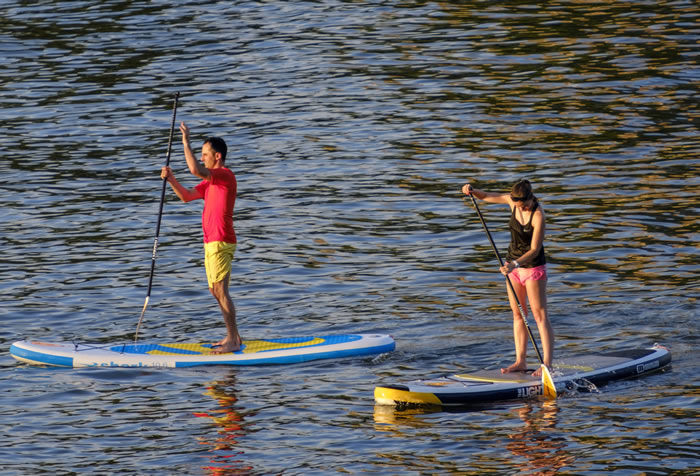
x=548, y=388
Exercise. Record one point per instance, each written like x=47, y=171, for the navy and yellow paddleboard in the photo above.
x=491, y=385
x=289, y=350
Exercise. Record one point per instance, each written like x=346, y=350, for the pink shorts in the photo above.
x=523, y=275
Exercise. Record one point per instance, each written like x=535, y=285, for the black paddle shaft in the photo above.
x=162, y=197
x=500, y=261
x=160, y=216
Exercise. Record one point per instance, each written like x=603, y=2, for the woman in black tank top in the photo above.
x=521, y=239
x=526, y=267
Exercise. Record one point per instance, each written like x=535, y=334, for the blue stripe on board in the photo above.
x=295, y=359
x=146, y=348
x=41, y=357
x=327, y=340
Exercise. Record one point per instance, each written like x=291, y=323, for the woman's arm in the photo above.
x=490, y=197
x=537, y=237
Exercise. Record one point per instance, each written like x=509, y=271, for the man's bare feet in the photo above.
x=516, y=367
x=225, y=346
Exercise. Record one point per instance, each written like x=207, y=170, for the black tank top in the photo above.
x=520, y=239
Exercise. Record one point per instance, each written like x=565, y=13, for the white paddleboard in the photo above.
x=288, y=350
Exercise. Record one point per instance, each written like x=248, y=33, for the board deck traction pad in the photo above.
x=253, y=352
x=487, y=386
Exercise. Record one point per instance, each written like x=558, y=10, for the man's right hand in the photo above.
x=185, y=133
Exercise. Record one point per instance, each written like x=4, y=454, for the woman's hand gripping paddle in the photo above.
x=160, y=215
x=548, y=388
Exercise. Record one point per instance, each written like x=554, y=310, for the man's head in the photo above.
x=216, y=146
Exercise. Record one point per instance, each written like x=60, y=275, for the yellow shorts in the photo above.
x=218, y=256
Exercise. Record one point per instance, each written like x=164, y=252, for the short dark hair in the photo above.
x=522, y=189
x=219, y=145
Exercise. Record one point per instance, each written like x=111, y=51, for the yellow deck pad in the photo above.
x=479, y=378
x=583, y=368
x=249, y=347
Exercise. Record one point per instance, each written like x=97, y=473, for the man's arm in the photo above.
x=196, y=168
x=186, y=195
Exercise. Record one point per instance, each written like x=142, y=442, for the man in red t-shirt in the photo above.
x=218, y=189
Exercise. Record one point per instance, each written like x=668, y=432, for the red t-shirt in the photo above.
x=219, y=200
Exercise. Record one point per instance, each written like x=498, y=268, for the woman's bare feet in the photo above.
x=516, y=367
x=538, y=371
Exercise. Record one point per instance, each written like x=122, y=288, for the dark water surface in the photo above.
x=351, y=127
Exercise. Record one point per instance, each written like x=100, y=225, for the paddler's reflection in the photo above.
x=225, y=457
x=537, y=441
x=537, y=444
x=389, y=418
